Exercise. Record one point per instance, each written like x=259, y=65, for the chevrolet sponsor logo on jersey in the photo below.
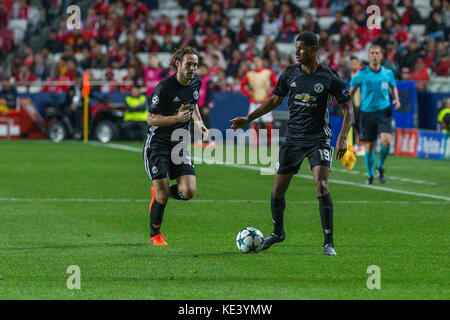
x=304, y=99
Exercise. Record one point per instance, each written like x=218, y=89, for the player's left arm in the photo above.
x=394, y=89
x=341, y=144
x=196, y=116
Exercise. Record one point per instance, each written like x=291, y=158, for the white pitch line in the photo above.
x=251, y=167
x=217, y=201
x=390, y=177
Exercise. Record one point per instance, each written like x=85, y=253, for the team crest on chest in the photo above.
x=195, y=94
x=155, y=100
x=318, y=87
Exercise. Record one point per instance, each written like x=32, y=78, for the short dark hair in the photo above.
x=180, y=53
x=309, y=38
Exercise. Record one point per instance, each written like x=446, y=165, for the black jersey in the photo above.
x=309, y=96
x=166, y=100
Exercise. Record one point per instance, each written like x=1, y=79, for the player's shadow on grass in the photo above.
x=77, y=246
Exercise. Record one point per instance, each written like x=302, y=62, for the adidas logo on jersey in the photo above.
x=176, y=99
x=293, y=85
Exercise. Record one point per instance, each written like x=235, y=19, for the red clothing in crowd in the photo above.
x=401, y=37
x=53, y=87
x=25, y=77
x=163, y=28
x=194, y=19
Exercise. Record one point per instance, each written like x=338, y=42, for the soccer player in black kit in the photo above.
x=308, y=86
x=170, y=107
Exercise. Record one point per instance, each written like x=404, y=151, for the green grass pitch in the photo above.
x=87, y=205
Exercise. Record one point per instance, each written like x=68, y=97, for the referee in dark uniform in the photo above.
x=308, y=86
x=170, y=108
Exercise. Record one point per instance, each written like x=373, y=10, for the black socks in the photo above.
x=277, y=206
x=156, y=217
x=326, y=216
x=175, y=193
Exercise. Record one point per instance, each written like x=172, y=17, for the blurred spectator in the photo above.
x=258, y=85
x=413, y=52
x=111, y=86
x=132, y=44
x=289, y=29
x=337, y=6
x=98, y=59
x=256, y=28
x=270, y=47
x=53, y=84
x=251, y=50
x=163, y=26
x=411, y=15
x=149, y=44
x=244, y=67
x=293, y=8
x=334, y=55
x=310, y=24
x=8, y=94
x=208, y=56
x=121, y=61
x=443, y=116
x=342, y=69
x=420, y=74
x=210, y=36
x=181, y=25
x=25, y=75
x=130, y=77
x=113, y=49
x=76, y=41
x=271, y=26
x=324, y=41
x=400, y=35
x=383, y=40
x=214, y=66
x=206, y=95
x=233, y=66
x=225, y=31
x=40, y=67
x=195, y=17
x=154, y=73
x=337, y=23
x=53, y=44
x=167, y=45
x=435, y=26
x=187, y=39
x=243, y=33
x=226, y=47
x=109, y=31
x=135, y=115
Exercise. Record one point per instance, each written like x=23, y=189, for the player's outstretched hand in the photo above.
x=397, y=104
x=341, y=147
x=239, y=122
x=183, y=115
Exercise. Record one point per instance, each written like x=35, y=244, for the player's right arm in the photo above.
x=241, y=122
x=155, y=118
x=183, y=116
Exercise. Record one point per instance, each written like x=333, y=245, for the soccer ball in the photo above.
x=250, y=240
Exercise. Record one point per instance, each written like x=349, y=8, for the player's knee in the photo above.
x=321, y=187
x=162, y=197
x=277, y=193
x=188, y=192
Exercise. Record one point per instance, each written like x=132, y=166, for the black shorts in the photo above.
x=373, y=123
x=292, y=154
x=158, y=163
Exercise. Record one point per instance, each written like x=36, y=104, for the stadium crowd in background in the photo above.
x=113, y=32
